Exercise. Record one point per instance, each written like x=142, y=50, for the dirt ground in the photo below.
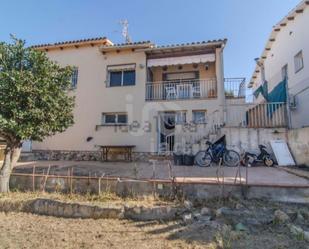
x=20, y=230
x=23, y=230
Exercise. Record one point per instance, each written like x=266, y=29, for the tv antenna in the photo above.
x=125, y=30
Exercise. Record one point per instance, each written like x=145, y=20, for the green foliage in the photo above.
x=34, y=99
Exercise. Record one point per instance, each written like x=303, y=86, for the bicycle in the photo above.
x=215, y=152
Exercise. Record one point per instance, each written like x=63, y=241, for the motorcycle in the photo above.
x=251, y=159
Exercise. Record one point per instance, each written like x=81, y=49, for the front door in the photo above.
x=167, y=122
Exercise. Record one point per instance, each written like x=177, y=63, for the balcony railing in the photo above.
x=181, y=89
x=235, y=87
x=194, y=89
x=264, y=115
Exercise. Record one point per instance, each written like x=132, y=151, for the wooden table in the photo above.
x=126, y=150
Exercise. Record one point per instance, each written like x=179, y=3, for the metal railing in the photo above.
x=194, y=89
x=264, y=115
x=181, y=89
x=235, y=87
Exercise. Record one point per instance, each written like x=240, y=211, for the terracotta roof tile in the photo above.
x=68, y=42
x=192, y=43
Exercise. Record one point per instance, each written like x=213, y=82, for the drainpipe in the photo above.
x=220, y=84
x=288, y=110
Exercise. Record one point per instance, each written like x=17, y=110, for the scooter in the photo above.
x=251, y=159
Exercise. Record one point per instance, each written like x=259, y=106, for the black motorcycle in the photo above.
x=251, y=159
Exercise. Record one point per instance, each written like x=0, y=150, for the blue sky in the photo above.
x=245, y=23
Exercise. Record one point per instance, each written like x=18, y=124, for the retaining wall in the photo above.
x=137, y=188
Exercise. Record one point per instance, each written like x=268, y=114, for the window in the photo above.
x=114, y=118
x=115, y=78
x=298, y=61
x=121, y=75
x=74, y=78
x=128, y=78
x=284, y=72
x=181, y=117
x=199, y=117
x=181, y=76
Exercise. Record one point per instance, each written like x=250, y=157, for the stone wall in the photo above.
x=57, y=208
x=66, y=155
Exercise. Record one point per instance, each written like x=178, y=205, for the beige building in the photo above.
x=286, y=56
x=152, y=97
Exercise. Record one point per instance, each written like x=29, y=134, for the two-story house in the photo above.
x=281, y=73
x=152, y=97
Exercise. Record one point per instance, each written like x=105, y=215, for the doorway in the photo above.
x=167, y=122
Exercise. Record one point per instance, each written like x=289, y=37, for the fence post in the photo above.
x=46, y=176
x=33, y=179
x=71, y=181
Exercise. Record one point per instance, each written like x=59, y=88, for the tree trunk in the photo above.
x=10, y=158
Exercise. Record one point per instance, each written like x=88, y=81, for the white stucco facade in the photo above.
x=94, y=97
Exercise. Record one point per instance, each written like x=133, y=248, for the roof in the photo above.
x=273, y=35
x=148, y=46
x=199, y=43
x=72, y=43
x=193, y=47
x=129, y=45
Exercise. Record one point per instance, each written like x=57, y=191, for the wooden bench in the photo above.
x=126, y=150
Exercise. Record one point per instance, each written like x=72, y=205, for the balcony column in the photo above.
x=220, y=84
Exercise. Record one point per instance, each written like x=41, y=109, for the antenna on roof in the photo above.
x=125, y=30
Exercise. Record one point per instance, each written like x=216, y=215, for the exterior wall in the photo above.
x=93, y=98
x=299, y=145
x=289, y=41
x=203, y=73
x=248, y=139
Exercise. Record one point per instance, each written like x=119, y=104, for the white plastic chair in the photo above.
x=170, y=92
x=196, y=91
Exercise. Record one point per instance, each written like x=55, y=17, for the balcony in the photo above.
x=193, y=89
x=263, y=115
x=181, y=89
x=235, y=87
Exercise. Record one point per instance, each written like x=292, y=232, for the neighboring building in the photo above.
x=141, y=94
x=286, y=57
